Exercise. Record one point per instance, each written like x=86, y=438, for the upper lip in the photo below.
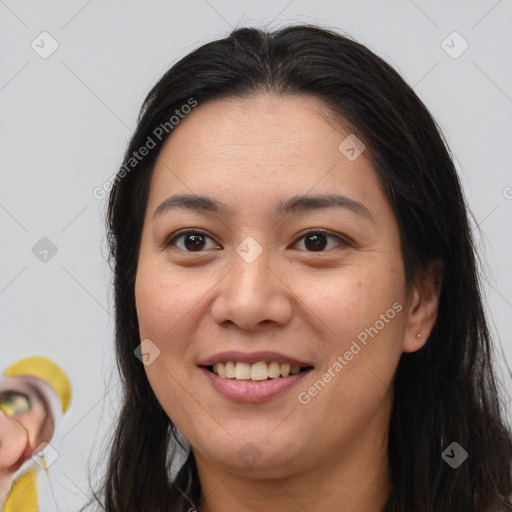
x=251, y=358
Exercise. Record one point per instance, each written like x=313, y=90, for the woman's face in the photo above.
x=250, y=285
x=21, y=415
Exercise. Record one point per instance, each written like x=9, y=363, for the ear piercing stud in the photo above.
x=418, y=335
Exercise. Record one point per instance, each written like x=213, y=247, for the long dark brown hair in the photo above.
x=448, y=391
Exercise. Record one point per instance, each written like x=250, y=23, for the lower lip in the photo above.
x=253, y=391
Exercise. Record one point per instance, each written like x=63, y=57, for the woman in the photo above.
x=294, y=267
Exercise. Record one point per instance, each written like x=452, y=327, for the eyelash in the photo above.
x=343, y=241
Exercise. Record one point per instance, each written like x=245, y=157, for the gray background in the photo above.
x=67, y=118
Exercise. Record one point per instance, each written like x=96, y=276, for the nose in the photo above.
x=253, y=293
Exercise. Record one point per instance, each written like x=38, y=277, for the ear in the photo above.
x=423, y=306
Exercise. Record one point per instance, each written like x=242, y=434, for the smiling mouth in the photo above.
x=260, y=371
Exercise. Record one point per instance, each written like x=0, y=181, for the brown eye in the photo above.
x=317, y=240
x=13, y=403
x=192, y=241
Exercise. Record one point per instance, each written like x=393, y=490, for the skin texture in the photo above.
x=251, y=153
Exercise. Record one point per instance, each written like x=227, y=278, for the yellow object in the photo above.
x=39, y=366
x=23, y=496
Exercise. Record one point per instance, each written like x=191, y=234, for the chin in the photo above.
x=252, y=455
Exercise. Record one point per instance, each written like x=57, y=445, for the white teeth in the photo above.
x=274, y=370
x=257, y=371
x=219, y=370
x=230, y=370
x=242, y=371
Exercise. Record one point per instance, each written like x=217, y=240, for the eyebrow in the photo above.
x=293, y=205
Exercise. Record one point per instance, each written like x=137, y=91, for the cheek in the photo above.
x=353, y=299
x=156, y=302
x=362, y=320
x=162, y=307
x=163, y=297
x=362, y=315
x=169, y=380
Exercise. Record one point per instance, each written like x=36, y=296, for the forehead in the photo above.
x=263, y=147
